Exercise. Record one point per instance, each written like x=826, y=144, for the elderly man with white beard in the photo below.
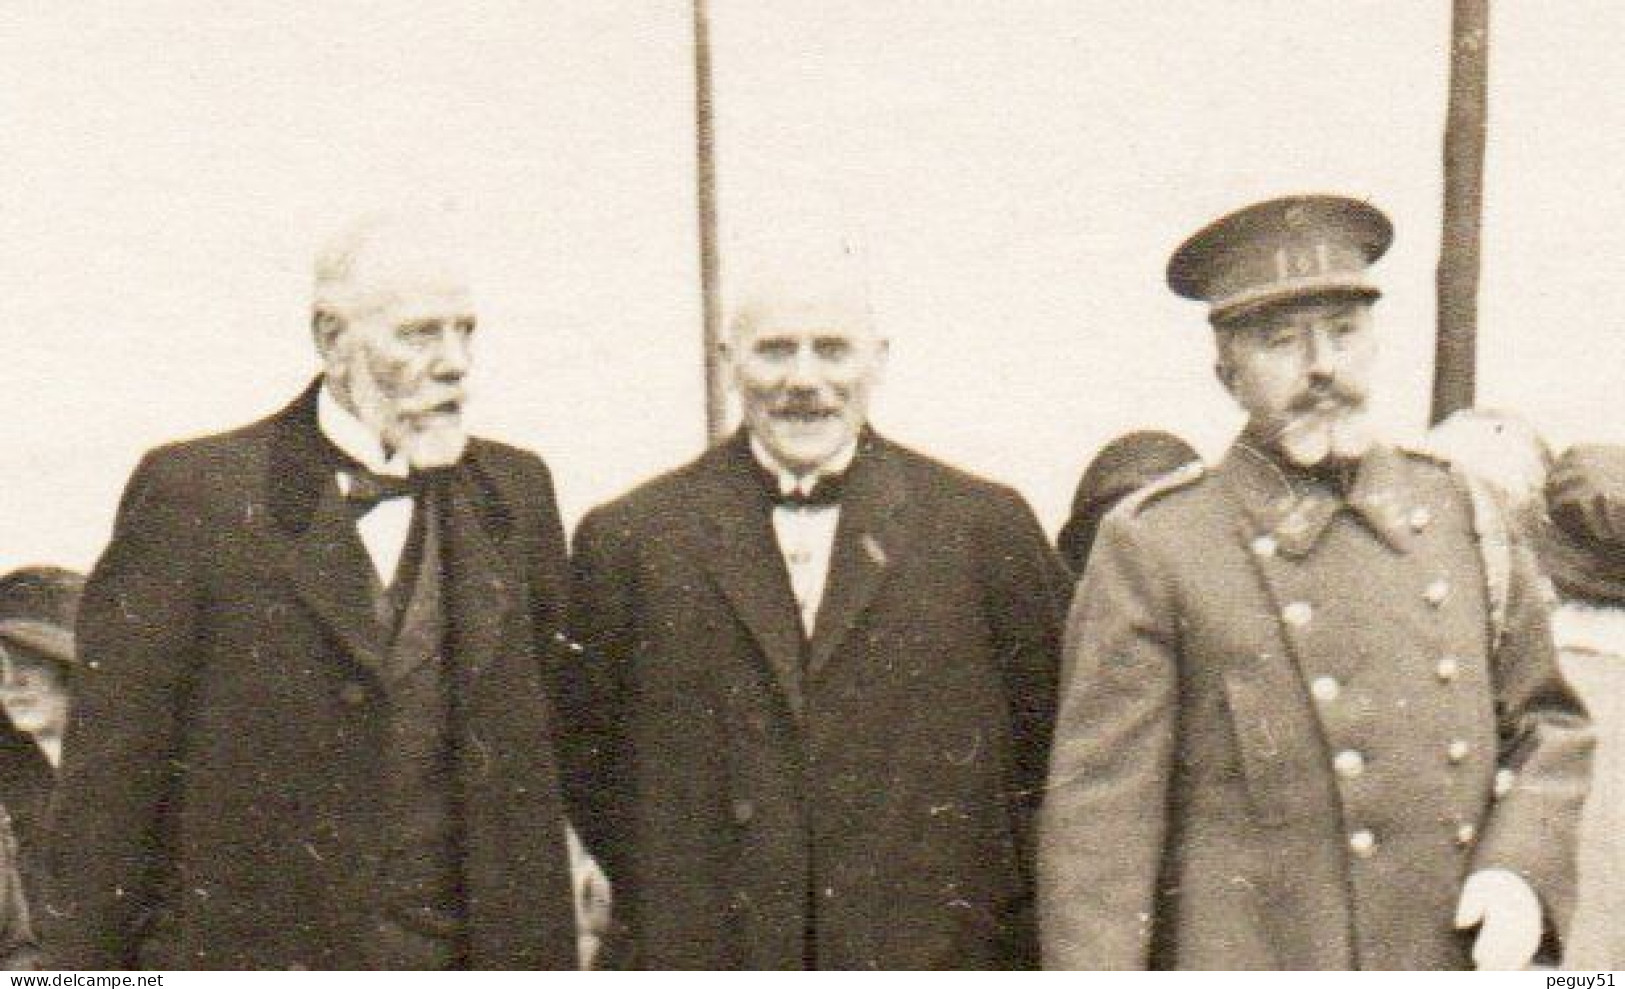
x=313, y=727
x=1310, y=714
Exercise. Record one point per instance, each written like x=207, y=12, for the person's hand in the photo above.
x=1507, y=914
x=1585, y=494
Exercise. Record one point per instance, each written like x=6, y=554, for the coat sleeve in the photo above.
x=549, y=583
x=137, y=630
x=1545, y=752
x=1103, y=820
x=593, y=688
x=1026, y=589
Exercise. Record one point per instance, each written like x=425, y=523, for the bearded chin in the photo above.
x=437, y=445
x=1309, y=439
x=427, y=443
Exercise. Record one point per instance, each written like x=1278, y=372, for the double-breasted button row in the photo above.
x=1349, y=764
x=1362, y=843
x=1504, y=781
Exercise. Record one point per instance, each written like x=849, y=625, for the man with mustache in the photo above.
x=311, y=729
x=819, y=672
x=1310, y=715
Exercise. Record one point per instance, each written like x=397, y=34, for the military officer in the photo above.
x=1310, y=715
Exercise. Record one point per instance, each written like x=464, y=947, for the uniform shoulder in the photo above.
x=1166, y=491
x=1429, y=470
x=1426, y=460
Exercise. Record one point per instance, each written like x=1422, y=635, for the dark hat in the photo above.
x=38, y=606
x=1581, y=543
x=1296, y=247
x=1122, y=467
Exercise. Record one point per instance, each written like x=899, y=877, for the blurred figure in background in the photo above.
x=1572, y=509
x=37, y=609
x=1122, y=467
x=1584, y=553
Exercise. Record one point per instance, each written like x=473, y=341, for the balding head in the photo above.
x=803, y=350
x=382, y=255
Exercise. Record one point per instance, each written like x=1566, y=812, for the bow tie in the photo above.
x=368, y=489
x=825, y=492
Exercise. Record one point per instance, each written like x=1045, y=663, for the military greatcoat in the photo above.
x=1291, y=725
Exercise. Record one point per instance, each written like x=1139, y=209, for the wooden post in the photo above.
x=1456, y=346
x=705, y=173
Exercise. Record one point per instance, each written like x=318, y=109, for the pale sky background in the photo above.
x=1019, y=171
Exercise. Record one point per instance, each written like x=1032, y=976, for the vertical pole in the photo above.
x=1456, y=346
x=716, y=407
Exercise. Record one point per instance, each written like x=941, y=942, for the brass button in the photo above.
x=1465, y=833
x=1325, y=689
x=1297, y=613
x=1504, y=779
x=1265, y=546
x=1437, y=591
x=1457, y=751
x=1363, y=843
x=353, y=694
x=1419, y=518
x=743, y=811
x=1349, y=764
x=1448, y=669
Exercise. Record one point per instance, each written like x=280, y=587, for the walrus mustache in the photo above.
x=1315, y=399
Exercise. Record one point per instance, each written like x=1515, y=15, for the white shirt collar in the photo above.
x=790, y=481
x=356, y=438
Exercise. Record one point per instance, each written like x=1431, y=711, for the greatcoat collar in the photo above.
x=1294, y=517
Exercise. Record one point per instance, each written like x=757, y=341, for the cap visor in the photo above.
x=1251, y=303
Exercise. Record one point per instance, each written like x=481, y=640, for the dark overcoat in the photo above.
x=221, y=793
x=860, y=800
x=1291, y=726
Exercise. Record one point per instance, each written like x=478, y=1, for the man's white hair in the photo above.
x=797, y=271
x=385, y=249
x=1499, y=448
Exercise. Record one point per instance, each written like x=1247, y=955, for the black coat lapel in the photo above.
x=743, y=557
x=867, y=544
x=323, y=556
x=482, y=589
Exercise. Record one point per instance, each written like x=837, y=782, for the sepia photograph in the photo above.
x=699, y=485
